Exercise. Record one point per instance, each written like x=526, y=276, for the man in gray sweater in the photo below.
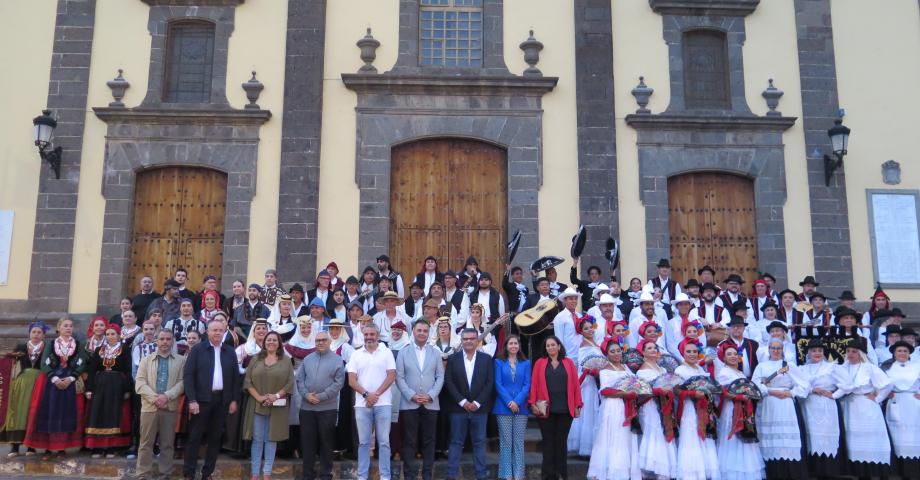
x=319, y=379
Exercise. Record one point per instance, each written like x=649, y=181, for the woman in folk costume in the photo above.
x=447, y=342
x=846, y=328
x=615, y=453
x=95, y=335
x=345, y=438
x=696, y=451
x=739, y=453
x=58, y=400
x=777, y=330
x=868, y=445
x=880, y=301
x=903, y=411
x=281, y=319
x=336, y=306
x=27, y=371
x=581, y=435
x=233, y=440
x=658, y=445
x=760, y=296
x=298, y=347
x=335, y=281
x=476, y=321
x=210, y=304
x=108, y=387
x=778, y=416
x=821, y=412
x=399, y=340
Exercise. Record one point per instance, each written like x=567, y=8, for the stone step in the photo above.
x=83, y=466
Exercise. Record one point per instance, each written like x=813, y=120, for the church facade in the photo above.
x=228, y=137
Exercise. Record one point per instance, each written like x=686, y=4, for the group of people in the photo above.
x=656, y=380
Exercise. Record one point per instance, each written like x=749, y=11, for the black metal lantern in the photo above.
x=840, y=138
x=42, y=132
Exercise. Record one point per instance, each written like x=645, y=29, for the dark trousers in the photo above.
x=316, y=430
x=475, y=424
x=555, y=432
x=413, y=421
x=209, y=422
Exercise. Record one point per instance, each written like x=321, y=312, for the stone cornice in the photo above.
x=733, y=8
x=668, y=121
x=448, y=85
x=182, y=116
x=193, y=3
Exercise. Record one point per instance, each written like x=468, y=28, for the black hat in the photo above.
x=847, y=295
x=171, y=283
x=740, y=304
x=882, y=314
x=256, y=286
x=416, y=285
x=895, y=329
x=708, y=286
x=858, y=343
x=843, y=311
x=896, y=312
x=471, y=260
x=816, y=343
x=578, y=242
x=768, y=275
x=351, y=279
x=296, y=288
x=450, y=273
x=809, y=280
x=384, y=257
x=485, y=276
x=901, y=343
x=783, y=292
x=819, y=295
x=734, y=278
x=692, y=283
x=663, y=263
x=736, y=320
x=706, y=268
x=777, y=324
x=907, y=331
x=769, y=304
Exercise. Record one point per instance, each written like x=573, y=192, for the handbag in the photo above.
x=540, y=408
x=281, y=402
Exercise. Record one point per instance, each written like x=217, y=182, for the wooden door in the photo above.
x=711, y=220
x=448, y=198
x=178, y=222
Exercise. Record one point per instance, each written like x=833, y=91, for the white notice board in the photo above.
x=895, y=235
x=6, y=242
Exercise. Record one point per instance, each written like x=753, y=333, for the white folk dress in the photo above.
x=820, y=414
x=866, y=432
x=737, y=460
x=614, y=455
x=581, y=435
x=777, y=422
x=697, y=458
x=902, y=414
x=657, y=456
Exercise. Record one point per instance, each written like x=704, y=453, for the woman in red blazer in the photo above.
x=555, y=398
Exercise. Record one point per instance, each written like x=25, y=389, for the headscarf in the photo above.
x=251, y=348
x=298, y=340
x=40, y=324
x=404, y=341
x=210, y=293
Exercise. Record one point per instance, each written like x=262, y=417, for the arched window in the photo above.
x=450, y=33
x=189, y=62
x=706, y=83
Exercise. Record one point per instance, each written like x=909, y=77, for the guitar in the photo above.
x=539, y=318
x=492, y=326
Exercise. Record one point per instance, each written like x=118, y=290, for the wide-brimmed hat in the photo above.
x=681, y=298
x=600, y=289
x=431, y=303
x=336, y=322
x=847, y=295
x=769, y=304
x=737, y=320
x=709, y=286
x=855, y=342
x=901, y=343
x=844, y=311
x=692, y=283
x=816, y=343
x=569, y=292
x=606, y=299
x=777, y=324
x=809, y=280
x=391, y=295
x=734, y=277
x=646, y=296
x=663, y=263
x=706, y=268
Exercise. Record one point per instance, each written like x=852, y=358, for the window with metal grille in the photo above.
x=706, y=84
x=450, y=33
x=189, y=62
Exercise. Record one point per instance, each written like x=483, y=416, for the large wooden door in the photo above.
x=448, y=198
x=178, y=222
x=712, y=222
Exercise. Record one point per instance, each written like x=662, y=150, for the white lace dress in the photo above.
x=904, y=409
x=697, y=458
x=614, y=455
x=822, y=425
x=657, y=457
x=581, y=435
x=737, y=460
x=866, y=432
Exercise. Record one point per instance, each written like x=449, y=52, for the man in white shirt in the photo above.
x=647, y=313
x=669, y=287
x=469, y=380
x=389, y=315
x=607, y=313
x=371, y=372
x=565, y=321
x=710, y=311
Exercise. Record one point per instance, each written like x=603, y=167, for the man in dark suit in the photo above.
x=212, y=387
x=469, y=379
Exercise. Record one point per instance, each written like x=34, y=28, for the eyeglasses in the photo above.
x=321, y=340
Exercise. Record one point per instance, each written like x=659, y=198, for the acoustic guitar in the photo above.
x=539, y=318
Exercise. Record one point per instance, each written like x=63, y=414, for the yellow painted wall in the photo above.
x=770, y=51
x=553, y=23
x=122, y=41
x=25, y=82
x=878, y=64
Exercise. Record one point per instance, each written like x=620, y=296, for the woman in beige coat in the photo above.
x=269, y=381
